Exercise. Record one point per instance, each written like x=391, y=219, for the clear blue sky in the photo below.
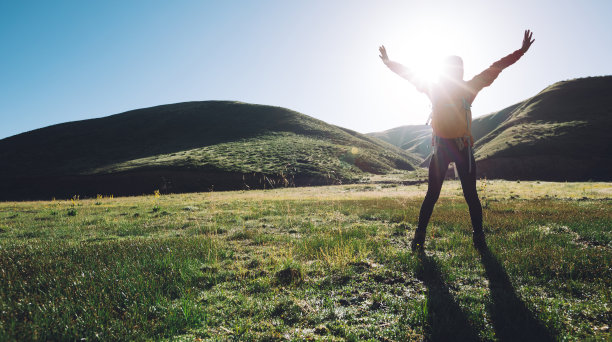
x=71, y=60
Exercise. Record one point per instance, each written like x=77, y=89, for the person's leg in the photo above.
x=468, y=184
x=437, y=171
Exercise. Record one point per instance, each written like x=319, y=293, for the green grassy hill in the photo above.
x=562, y=133
x=192, y=146
x=485, y=124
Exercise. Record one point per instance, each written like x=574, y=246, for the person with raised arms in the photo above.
x=451, y=119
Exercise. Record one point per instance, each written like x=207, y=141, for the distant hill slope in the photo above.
x=416, y=139
x=192, y=146
x=413, y=138
x=562, y=133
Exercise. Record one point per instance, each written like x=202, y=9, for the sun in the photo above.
x=428, y=68
x=427, y=60
x=425, y=51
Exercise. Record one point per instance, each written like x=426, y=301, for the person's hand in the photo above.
x=383, y=54
x=527, y=41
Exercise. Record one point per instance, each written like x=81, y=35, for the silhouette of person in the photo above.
x=451, y=118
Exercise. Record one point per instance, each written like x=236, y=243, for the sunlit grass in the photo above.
x=321, y=263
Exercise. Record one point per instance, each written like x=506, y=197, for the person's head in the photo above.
x=452, y=68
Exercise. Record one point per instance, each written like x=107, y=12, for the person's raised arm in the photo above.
x=485, y=78
x=403, y=71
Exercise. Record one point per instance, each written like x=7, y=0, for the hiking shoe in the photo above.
x=418, y=242
x=479, y=240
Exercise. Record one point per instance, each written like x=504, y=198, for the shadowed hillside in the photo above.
x=562, y=133
x=192, y=146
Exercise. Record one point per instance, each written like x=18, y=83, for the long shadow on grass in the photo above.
x=511, y=319
x=446, y=320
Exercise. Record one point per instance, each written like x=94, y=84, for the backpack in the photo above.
x=453, y=120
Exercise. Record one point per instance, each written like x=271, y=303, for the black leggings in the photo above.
x=447, y=152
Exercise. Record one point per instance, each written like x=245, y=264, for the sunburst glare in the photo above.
x=425, y=50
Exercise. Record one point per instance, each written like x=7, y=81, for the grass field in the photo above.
x=321, y=263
